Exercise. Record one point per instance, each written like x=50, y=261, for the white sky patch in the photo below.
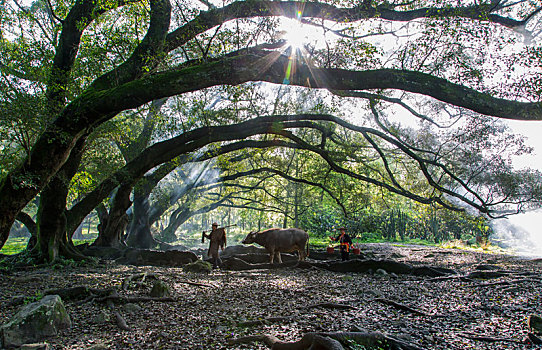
x=533, y=131
x=298, y=34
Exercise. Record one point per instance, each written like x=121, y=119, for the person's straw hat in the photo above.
x=214, y=224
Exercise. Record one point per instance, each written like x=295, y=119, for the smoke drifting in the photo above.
x=522, y=233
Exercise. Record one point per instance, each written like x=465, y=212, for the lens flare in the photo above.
x=296, y=33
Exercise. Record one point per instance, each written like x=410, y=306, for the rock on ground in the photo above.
x=35, y=321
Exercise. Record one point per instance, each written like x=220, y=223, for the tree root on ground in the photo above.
x=68, y=251
x=331, y=341
x=237, y=264
x=488, y=339
x=80, y=292
x=118, y=318
x=445, y=278
x=487, y=274
x=198, y=284
x=118, y=298
x=331, y=306
x=110, y=296
x=432, y=271
x=136, y=278
x=365, y=266
x=99, y=295
x=357, y=266
x=400, y=306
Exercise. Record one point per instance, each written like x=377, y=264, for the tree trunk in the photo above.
x=112, y=229
x=52, y=239
x=296, y=194
x=179, y=217
x=139, y=235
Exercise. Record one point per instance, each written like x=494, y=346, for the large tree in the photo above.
x=82, y=91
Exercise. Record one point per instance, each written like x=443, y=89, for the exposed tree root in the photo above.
x=80, y=292
x=432, y=271
x=261, y=258
x=115, y=297
x=331, y=341
x=488, y=339
x=198, y=284
x=135, y=299
x=237, y=264
x=110, y=296
x=364, y=266
x=487, y=274
x=136, y=277
x=491, y=284
x=356, y=265
x=400, y=306
x=141, y=257
x=118, y=318
x=68, y=251
x=445, y=278
x=100, y=295
x=331, y=306
x=39, y=257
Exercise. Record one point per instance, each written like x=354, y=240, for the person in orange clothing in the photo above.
x=345, y=242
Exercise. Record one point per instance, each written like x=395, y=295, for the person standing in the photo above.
x=345, y=242
x=217, y=238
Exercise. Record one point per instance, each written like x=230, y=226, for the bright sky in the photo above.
x=533, y=131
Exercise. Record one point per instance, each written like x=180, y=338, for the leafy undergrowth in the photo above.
x=209, y=312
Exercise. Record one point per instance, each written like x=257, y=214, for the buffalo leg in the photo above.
x=279, y=258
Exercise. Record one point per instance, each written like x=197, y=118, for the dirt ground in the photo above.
x=211, y=311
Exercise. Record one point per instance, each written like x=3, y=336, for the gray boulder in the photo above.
x=35, y=321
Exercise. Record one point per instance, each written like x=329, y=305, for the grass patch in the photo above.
x=14, y=245
x=485, y=248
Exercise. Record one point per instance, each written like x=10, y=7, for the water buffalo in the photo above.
x=277, y=240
